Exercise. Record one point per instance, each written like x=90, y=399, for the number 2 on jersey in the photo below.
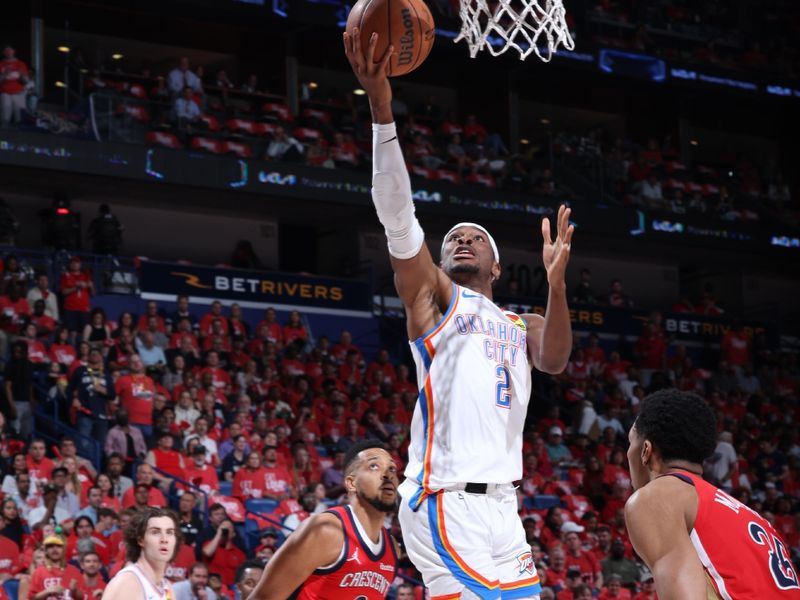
x=783, y=572
x=503, y=389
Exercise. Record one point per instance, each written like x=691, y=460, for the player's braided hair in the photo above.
x=679, y=424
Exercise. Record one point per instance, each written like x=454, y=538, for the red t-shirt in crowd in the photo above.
x=248, y=484
x=587, y=563
x=42, y=470
x=219, y=377
x=624, y=594
x=178, y=569
x=94, y=592
x=651, y=352
x=78, y=300
x=37, y=353
x=13, y=312
x=44, y=577
x=154, y=497
x=205, y=478
x=13, y=71
x=136, y=395
x=9, y=556
x=736, y=347
x=62, y=353
x=207, y=323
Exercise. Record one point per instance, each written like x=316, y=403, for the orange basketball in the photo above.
x=405, y=24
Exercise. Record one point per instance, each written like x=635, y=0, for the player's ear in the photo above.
x=647, y=452
x=350, y=483
x=497, y=270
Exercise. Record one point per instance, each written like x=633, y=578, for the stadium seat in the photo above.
x=307, y=135
x=246, y=126
x=225, y=487
x=11, y=588
x=275, y=111
x=239, y=149
x=207, y=144
x=446, y=175
x=542, y=502
x=162, y=138
x=136, y=112
x=211, y=122
x=315, y=114
x=136, y=90
x=422, y=172
x=481, y=179
x=421, y=128
x=261, y=505
x=265, y=129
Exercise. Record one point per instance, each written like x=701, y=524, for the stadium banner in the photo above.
x=627, y=322
x=275, y=181
x=254, y=288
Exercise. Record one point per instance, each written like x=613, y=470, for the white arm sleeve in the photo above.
x=391, y=194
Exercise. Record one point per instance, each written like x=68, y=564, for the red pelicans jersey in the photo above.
x=475, y=382
x=362, y=571
x=741, y=552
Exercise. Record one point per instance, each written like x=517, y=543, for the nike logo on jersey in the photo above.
x=389, y=140
x=466, y=294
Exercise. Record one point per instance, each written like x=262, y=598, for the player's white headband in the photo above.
x=475, y=226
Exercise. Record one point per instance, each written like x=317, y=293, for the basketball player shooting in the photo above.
x=152, y=540
x=345, y=552
x=458, y=510
x=698, y=541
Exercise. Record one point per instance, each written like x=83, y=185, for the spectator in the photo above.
x=736, y=345
x=207, y=322
x=557, y=451
x=583, y=290
x=9, y=226
x=44, y=325
x=223, y=81
x=248, y=575
x=196, y=586
x=61, y=225
x=167, y=460
x=251, y=85
x=181, y=77
x=617, y=568
x=14, y=313
x=719, y=467
x=190, y=522
x=92, y=581
x=586, y=563
x=181, y=312
x=77, y=288
x=284, y=147
x=14, y=275
x=39, y=466
x=201, y=428
x=343, y=152
x=48, y=512
x=185, y=111
x=115, y=466
x=617, y=297
x=136, y=392
x=25, y=497
x=95, y=503
x=250, y=480
x=200, y=473
x=651, y=192
x=91, y=390
x=152, y=356
x=13, y=77
x=614, y=589
x=219, y=546
x=105, y=232
x=55, y=577
x=97, y=332
x=19, y=393
x=145, y=477
x=65, y=499
x=125, y=441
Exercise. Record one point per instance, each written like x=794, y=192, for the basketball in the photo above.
x=405, y=24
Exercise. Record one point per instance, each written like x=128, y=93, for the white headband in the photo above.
x=475, y=226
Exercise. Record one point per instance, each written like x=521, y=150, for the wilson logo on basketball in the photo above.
x=406, y=54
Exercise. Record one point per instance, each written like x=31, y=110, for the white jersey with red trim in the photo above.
x=475, y=385
x=149, y=591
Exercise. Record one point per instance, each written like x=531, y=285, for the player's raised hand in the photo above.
x=373, y=76
x=555, y=253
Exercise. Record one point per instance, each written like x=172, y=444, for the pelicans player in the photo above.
x=458, y=510
x=345, y=552
x=698, y=541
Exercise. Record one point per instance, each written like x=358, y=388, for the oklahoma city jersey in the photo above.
x=742, y=554
x=475, y=386
x=359, y=572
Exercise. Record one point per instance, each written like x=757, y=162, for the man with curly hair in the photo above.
x=152, y=540
x=698, y=541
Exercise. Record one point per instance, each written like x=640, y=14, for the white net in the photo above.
x=537, y=26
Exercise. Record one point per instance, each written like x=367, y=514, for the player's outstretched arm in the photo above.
x=420, y=284
x=656, y=523
x=550, y=337
x=316, y=543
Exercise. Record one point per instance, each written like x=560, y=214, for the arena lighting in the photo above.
x=117, y=56
x=60, y=84
x=63, y=49
x=544, y=121
x=62, y=211
x=359, y=92
x=694, y=142
x=312, y=85
x=525, y=141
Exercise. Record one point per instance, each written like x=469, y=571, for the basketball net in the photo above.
x=537, y=26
